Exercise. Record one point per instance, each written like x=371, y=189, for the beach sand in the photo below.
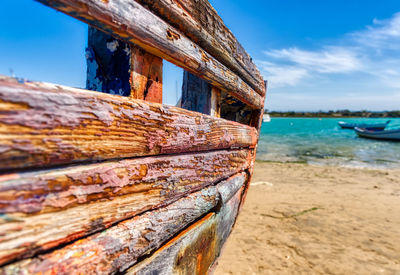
x=304, y=219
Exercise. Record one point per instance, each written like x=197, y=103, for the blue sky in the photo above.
x=329, y=54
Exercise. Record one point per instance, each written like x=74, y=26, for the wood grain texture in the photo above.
x=131, y=22
x=201, y=23
x=215, y=102
x=191, y=252
x=194, y=250
x=44, y=124
x=44, y=209
x=146, y=75
x=120, y=246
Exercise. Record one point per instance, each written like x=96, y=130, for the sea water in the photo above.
x=322, y=141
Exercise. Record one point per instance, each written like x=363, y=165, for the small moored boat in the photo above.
x=378, y=134
x=266, y=118
x=374, y=126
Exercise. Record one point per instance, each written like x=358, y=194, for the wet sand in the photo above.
x=304, y=219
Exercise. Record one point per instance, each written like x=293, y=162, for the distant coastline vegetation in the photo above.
x=337, y=113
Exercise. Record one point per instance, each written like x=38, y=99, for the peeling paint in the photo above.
x=52, y=125
x=65, y=202
x=111, y=126
x=108, y=64
x=195, y=249
x=112, y=46
x=120, y=246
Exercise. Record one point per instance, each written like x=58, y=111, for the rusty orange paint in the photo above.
x=146, y=75
x=202, y=249
x=186, y=230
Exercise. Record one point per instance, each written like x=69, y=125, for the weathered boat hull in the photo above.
x=393, y=135
x=376, y=126
x=106, y=179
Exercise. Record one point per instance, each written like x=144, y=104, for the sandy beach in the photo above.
x=304, y=219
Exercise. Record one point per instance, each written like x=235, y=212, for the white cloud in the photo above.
x=386, y=70
x=372, y=52
x=328, y=60
x=383, y=34
x=281, y=76
x=289, y=67
x=354, y=101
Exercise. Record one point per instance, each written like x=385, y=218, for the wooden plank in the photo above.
x=194, y=250
x=215, y=102
x=44, y=209
x=201, y=23
x=108, y=64
x=120, y=246
x=196, y=94
x=130, y=21
x=146, y=75
x=44, y=124
x=199, y=96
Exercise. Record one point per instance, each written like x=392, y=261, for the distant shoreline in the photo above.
x=337, y=114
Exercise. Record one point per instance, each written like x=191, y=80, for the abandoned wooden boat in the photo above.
x=376, y=126
x=380, y=134
x=107, y=179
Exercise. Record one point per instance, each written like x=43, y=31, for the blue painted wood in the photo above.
x=108, y=64
x=196, y=94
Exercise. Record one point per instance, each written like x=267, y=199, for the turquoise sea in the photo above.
x=322, y=141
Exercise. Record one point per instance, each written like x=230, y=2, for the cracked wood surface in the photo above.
x=131, y=22
x=146, y=75
x=44, y=124
x=195, y=249
x=107, y=217
x=200, y=22
x=120, y=246
x=41, y=210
